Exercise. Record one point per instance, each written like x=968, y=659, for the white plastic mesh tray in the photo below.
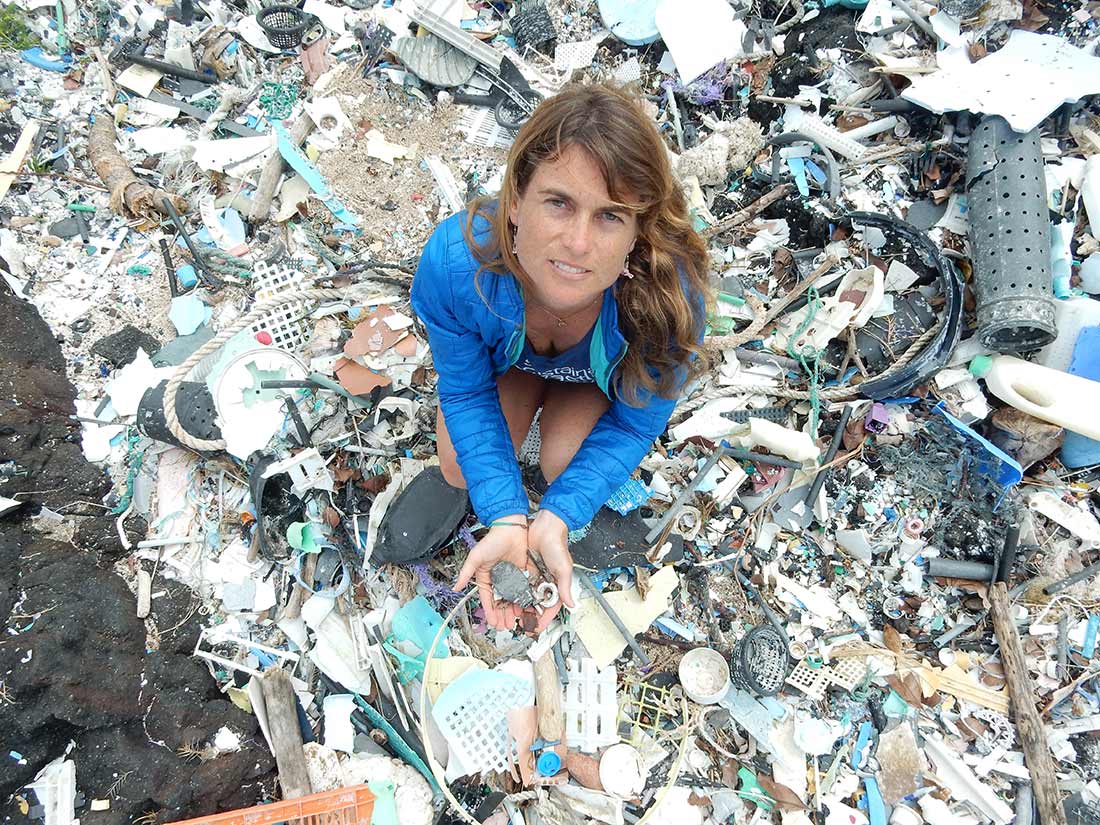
x=287, y=323
x=472, y=715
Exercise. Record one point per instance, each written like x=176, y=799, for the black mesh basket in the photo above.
x=283, y=25
x=759, y=661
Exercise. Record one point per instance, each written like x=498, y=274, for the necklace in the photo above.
x=564, y=321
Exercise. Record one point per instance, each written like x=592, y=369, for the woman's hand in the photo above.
x=503, y=543
x=548, y=536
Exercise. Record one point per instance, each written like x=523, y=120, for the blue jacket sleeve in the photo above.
x=611, y=452
x=467, y=389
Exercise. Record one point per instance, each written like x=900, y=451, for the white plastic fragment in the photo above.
x=55, y=787
x=339, y=731
x=964, y=785
x=700, y=35
x=590, y=705
x=621, y=771
x=1079, y=522
x=1023, y=81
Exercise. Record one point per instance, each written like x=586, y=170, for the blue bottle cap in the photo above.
x=549, y=763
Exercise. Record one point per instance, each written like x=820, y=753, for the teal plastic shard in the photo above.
x=302, y=535
x=895, y=707
x=385, y=803
x=751, y=791
x=304, y=167
x=416, y=623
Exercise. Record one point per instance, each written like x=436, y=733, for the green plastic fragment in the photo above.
x=750, y=789
x=139, y=269
x=385, y=803
x=895, y=707
x=735, y=300
x=301, y=535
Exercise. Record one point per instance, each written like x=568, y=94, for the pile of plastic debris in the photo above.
x=868, y=533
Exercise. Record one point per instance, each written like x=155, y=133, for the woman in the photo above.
x=579, y=290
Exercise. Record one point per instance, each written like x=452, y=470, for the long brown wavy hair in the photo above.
x=659, y=315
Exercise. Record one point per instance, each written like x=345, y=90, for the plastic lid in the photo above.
x=981, y=365
x=549, y=763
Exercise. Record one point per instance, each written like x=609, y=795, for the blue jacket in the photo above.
x=473, y=343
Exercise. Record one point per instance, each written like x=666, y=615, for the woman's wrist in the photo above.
x=509, y=522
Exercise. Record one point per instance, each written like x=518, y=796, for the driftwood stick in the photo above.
x=286, y=736
x=749, y=212
x=1022, y=696
x=130, y=196
x=273, y=170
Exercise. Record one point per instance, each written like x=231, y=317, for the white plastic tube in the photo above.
x=875, y=127
x=1058, y=397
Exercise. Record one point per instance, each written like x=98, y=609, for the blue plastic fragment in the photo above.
x=994, y=465
x=1079, y=450
x=862, y=739
x=187, y=276
x=1089, y=646
x=36, y=57
x=816, y=172
x=304, y=167
x=632, y=495
x=798, y=169
x=876, y=808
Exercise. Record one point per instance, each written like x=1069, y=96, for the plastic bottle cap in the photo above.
x=549, y=763
x=981, y=365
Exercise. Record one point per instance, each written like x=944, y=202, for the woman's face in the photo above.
x=570, y=237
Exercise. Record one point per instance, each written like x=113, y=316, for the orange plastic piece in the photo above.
x=345, y=806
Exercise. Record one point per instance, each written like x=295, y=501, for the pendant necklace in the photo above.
x=564, y=321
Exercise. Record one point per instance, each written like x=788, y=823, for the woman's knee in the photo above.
x=452, y=473
x=448, y=459
x=568, y=415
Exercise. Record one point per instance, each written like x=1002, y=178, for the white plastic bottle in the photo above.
x=1058, y=397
